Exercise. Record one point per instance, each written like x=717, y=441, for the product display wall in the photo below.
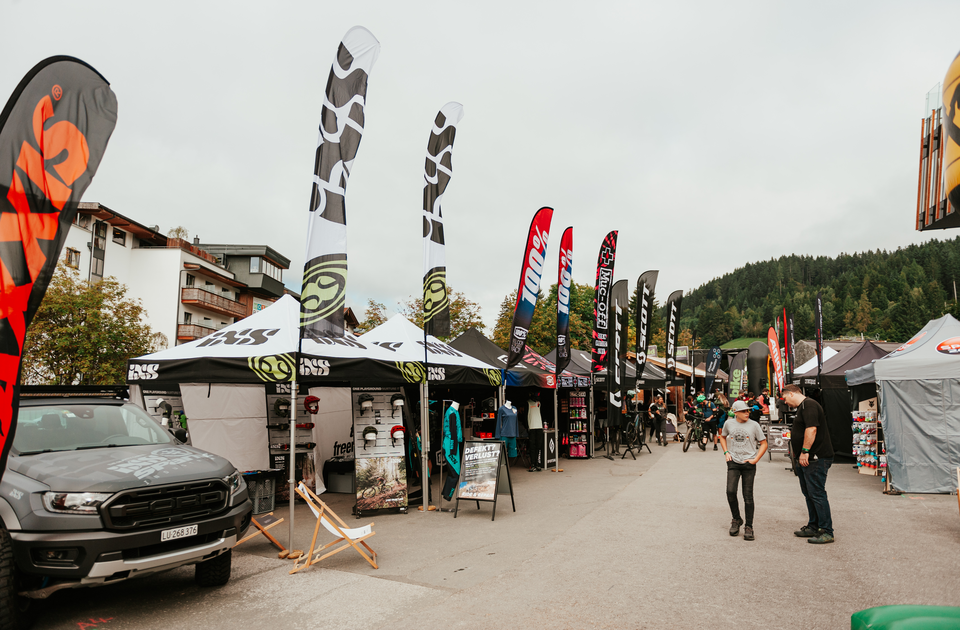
x=380, y=461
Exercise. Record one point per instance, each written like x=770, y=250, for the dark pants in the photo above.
x=536, y=448
x=736, y=472
x=813, y=481
x=655, y=423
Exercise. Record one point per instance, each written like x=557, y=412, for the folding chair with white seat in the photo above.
x=355, y=537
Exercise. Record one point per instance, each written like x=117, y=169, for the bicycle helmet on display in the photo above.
x=281, y=407
x=369, y=436
x=396, y=401
x=312, y=405
x=366, y=402
x=395, y=431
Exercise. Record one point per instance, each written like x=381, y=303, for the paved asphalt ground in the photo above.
x=623, y=544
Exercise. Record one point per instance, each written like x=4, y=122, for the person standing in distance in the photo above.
x=809, y=437
x=743, y=445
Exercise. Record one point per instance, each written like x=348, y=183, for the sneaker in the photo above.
x=714, y=447
x=806, y=532
x=822, y=539
x=735, y=526
x=748, y=533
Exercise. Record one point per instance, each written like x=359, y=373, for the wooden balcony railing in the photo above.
x=212, y=302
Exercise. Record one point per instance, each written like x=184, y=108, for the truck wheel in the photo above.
x=15, y=612
x=215, y=571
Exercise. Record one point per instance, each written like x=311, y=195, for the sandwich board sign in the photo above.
x=480, y=468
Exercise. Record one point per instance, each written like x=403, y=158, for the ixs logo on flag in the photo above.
x=495, y=377
x=143, y=372
x=246, y=337
x=274, y=368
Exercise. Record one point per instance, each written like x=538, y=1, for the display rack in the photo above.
x=868, y=446
x=379, y=462
x=576, y=428
x=278, y=441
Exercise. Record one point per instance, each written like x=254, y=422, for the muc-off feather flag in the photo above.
x=617, y=356
x=673, y=325
x=601, y=301
x=53, y=133
x=341, y=127
x=563, y=300
x=534, y=256
x=646, y=290
x=437, y=173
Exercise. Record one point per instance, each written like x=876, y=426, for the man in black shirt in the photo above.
x=810, y=439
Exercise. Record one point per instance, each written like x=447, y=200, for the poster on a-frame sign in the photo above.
x=480, y=474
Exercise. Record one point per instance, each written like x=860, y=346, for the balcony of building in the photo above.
x=212, y=302
x=190, y=332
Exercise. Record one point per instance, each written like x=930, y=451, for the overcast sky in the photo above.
x=710, y=134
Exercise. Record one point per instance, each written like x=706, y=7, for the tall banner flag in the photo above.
x=673, y=324
x=534, y=256
x=791, y=353
x=601, y=301
x=563, y=300
x=341, y=127
x=646, y=290
x=774, y=346
x=617, y=357
x=53, y=133
x=713, y=364
x=818, y=322
x=951, y=127
x=437, y=173
x=738, y=374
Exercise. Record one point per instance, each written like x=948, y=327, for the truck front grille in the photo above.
x=160, y=506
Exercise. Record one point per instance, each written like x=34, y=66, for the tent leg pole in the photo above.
x=293, y=447
x=425, y=444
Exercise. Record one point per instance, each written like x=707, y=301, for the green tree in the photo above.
x=84, y=333
x=178, y=232
x=464, y=313
x=376, y=314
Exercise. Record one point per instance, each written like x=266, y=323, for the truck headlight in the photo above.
x=74, y=502
x=234, y=481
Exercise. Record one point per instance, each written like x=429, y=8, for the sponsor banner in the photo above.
x=738, y=374
x=341, y=128
x=601, y=301
x=438, y=170
x=951, y=116
x=713, y=364
x=774, y=346
x=54, y=130
x=646, y=289
x=563, y=299
x=673, y=325
x=818, y=323
x=617, y=356
x=530, y=273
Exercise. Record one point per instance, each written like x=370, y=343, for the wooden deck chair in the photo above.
x=334, y=524
x=262, y=523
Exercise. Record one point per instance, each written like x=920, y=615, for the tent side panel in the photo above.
x=919, y=438
x=836, y=406
x=230, y=421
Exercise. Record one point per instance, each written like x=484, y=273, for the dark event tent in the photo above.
x=835, y=395
x=532, y=371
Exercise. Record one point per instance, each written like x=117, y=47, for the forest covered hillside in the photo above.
x=879, y=294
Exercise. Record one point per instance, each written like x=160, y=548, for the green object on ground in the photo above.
x=904, y=617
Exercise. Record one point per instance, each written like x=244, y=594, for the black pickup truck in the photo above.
x=95, y=492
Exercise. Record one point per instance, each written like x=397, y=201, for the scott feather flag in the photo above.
x=673, y=329
x=531, y=271
x=341, y=127
x=438, y=170
x=601, y=301
x=53, y=133
x=646, y=290
x=563, y=300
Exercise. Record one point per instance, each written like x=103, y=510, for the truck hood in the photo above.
x=121, y=467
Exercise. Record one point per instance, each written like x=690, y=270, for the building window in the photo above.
x=254, y=265
x=191, y=279
x=82, y=220
x=97, y=269
x=187, y=318
x=260, y=265
x=73, y=258
x=119, y=236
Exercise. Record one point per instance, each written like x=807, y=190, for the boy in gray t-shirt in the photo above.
x=743, y=445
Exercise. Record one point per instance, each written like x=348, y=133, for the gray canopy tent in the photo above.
x=919, y=392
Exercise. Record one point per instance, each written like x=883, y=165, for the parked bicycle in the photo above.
x=635, y=433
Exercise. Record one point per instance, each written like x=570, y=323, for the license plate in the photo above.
x=179, y=532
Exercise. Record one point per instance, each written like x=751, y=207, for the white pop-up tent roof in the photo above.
x=442, y=363
x=811, y=365
x=919, y=385
x=260, y=348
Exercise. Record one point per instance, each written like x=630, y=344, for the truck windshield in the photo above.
x=81, y=426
